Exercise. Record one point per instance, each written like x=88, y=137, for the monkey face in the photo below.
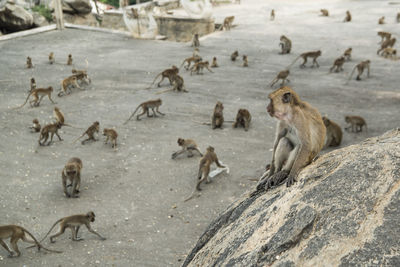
x=219, y=106
x=210, y=149
x=181, y=141
x=326, y=121
x=281, y=102
x=91, y=216
x=70, y=169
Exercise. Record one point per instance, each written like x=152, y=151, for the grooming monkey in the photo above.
x=227, y=24
x=29, y=64
x=36, y=93
x=348, y=17
x=189, y=61
x=111, y=135
x=178, y=85
x=272, y=16
x=33, y=84
x=243, y=119
x=49, y=129
x=188, y=145
x=15, y=233
x=381, y=20
x=199, y=66
x=74, y=222
x=384, y=36
x=68, y=82
x=72, y=173
x=286, y=45
x=35, y=128
x=334, y=133
x=386, y=44
x=360, y=69
x=282, y=75
x=204, y=169
x=69, y=61
x=94, y=128
x=389, y=53
x=195, y=41
x=168, y=73
x=217, y=118
x=347, y=53
x=146, y=106
x=338, y=64
x=234, y=55
x=299, y=138
x=312, y=54
x=214, y=63
x=51, y=58
x=324, y=12
x=356, y=123
x=245, y=61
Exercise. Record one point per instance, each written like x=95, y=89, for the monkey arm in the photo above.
x=281, y=132
x=218, y=163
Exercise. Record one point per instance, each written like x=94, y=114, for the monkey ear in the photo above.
x=286, y=97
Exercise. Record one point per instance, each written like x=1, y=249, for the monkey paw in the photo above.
x=290, y=181
x=276, y=179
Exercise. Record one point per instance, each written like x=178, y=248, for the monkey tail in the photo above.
x=66, y=124
x=25, y=101
x=132, y=114
x=182, y=63
x=158, y=75
x=351, y=75
x=50, y=230
x=37, y=243
x=294, y=61
x=192, y=195
x=161, y=92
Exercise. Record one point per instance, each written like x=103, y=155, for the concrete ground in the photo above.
x=137, y=191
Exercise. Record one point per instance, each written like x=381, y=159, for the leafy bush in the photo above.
x=44, y=11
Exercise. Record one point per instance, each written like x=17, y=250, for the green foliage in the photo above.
x=44, y=11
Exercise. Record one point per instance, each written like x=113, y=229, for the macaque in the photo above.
x=360, y=69
x=94, y=128
x=386, y=44
x=381, y=20
x=81, y=76
x=188, y=145
x=385, y=36
x=286, y=45
x=74, y=222
x=35, y=128
x=234, y=55
x=15, y=233
x=243, y=119
x=214, y=63
x=389, y=52
x=168, y=73
x=356, y=123
x=282, y=75
x=245, y=62
x=196, y=41
x=29, y=64
x=218, y=117
x=72, y=173
x=49, y=129
x=189, y=61
x=334, y=133
x=69, y=61
x=111, y=135
x=227, y=24
x=338, y=64
x=71, y=81
x=36, y=93
x=313, y=54
x=272, y=16
x=146, y=106
x=195, y=52
x=324, y=12
x=51, y=58
x=199, y=66
x=348, y=17
x=347, y=53
x=178, y=85
x=299, y=138
x=33, y=84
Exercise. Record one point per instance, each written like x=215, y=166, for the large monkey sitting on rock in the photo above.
x=300, y=136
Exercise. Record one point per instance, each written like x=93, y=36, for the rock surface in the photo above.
x=15, y=18
x=39, y=20
x=343, y=211
x=80, y=6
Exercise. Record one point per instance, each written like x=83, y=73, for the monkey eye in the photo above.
x=286, y=98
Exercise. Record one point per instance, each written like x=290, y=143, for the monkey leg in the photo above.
x=246, y=125
x=159, y=112
x=64, y=183
x=13, y=242
x=6, y=247
x=177, y=153
x=106, y=140
x=58, y=136
x=141, y=114
x=94, y=232
x=304, y=63
x=51, y=100
x=154, y=113
x=74, y=186
x=45, y=139
x=274, y=81
x=315, y=61
x=40, y=100
x=162, y=79
x=74, y=231
x=62, y=230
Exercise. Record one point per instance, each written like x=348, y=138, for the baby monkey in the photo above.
x=245, y=61
x=348, y=17
x=214, y=63
x=356, y=123
x=334, y=133
x=72, y=173
x=324, y=13
x=243, y=119
x=51, y=58
x=94, y=128
x=195, y=41
x=381, y=20
x=69, y=61
x=234, y=55
x=188, y=145
x=33, y=84
x=29, y=64
x=272, y=16
x=35, y=128
x=111, y=135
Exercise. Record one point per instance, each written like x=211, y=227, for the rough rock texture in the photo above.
x=80, y=6
x=89, y=19
x=15, y=18
x=345, y=210
x=39, y=20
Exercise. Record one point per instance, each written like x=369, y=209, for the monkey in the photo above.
x=312, y=54
x=199, y=66
x=72, y=173
x=217, y=118
x=94, y=128
x=33, y=84
x=324, y=12
x=381, y=20
x=69, y=61
x=178, y=85
x=189, y=61
x=51, y=58
x=195, y=52
x=334, y=133
x=299, y=137
x=166, y=74
x=286, y=45
x=272, y=16
x=243, y=119
x=52, y=129
x=36, y=93
x=81, y=76
x=348, y=17
x=245, y=62
x=188, y=145
x=360, y=69
x=338, y=63
x=389, y=52
x=111, y=135
x=398, y=17
x=195, y=41
x=67, y=83
x=146, y=106
x=35, y=128
x=204, y=169
x=234, y=55
x=347, y=53
x=356, y=123
x=214, y=63
x=384, y=36
x=29, y=64
x=74, y=222
x=282, y=75
x=15, y=233
x=386, y=44
x=227, y=24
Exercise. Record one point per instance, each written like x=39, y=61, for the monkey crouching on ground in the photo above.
x=286, y=45
x=234, y=55
x=35, y=128
x=243, y=119
x=348, y=17
x=334, y=133
x=324, y=13
x=69, y=61
x=188, y=145
x=72, y=173
x=300, y=136
x=29, y=64
x=218, y=117
x=51, y=58
x=214, y=63
x=195, y=41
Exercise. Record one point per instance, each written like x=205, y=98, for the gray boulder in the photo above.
x=80, y=6
x=65, y=7
x=39, y=20
x=14, y=18
x=343, y=211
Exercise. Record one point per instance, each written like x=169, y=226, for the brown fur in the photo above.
x=227, y=24
x=35, y=128
x=94, y=128
x=348, y=17
x=312, y=54
x=272, y=16
x=245, y=61
x=195, y=41
x=188, y=145
x=146, y=106
x=360, y=69
x=36, y=93
x=389, y=52
x=334, y=133
x=286, y=45
x=49, y=129
x=33, y=84
x=168, y=73
x=282, y=75
x=68, y=82
x=69, y=61
x=111, y=135
x=324, y=13
x=338, y=64
x=381, y=20
x=243, y=119
x=29, y=63
x=51, y=58
x=189, y=61
x=234, y=55
x=218, y=116
x=214, y=63
x=347, y=53
x=199, y=66
x=356, y=123
x=72, y=173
